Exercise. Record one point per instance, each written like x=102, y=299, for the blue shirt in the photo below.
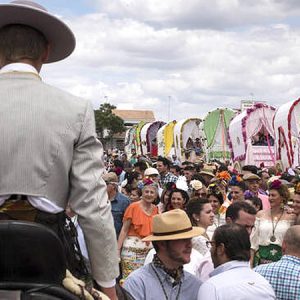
x=143, y=284
x=118, y=207
x=235, y=280
x=284, y=276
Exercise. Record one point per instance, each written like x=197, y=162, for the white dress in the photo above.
x=219, y=220
x=199, y=244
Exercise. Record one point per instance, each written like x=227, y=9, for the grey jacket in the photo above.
x=49, y=148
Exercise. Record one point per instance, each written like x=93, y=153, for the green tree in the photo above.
x=107, y=123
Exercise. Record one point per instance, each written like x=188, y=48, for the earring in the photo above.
x=282, y=205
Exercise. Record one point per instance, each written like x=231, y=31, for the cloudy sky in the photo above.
x=180, y=58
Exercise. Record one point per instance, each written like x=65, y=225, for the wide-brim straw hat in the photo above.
x=173, y=225
x=58, y=34
x=207, y=172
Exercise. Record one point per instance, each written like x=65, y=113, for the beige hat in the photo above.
x=58, y=34
x=173, y=225
x=151, y=171
x=207, y=172
x=251, y=176
x=110, y=177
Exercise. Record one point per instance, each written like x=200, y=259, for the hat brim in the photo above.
x=207, y=173
x=60, y=37
x=195, y=231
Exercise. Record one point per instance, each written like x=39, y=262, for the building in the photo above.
x=130, y=118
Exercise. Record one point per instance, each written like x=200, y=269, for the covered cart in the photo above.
x=130, y=141
x=188, y=139
x=148, y=137
x=251, y=136
x=165, y=139
x=215, y=128
x=287, y=134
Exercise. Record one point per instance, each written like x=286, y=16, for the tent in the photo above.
x=165, y=139
x=215, y=128
x=251, y=136
x=148, y=137
x=186, y=134
x=287, y=138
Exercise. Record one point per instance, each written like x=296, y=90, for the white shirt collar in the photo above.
x=228, y=266
x=19, y=67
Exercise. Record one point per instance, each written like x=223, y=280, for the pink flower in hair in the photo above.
x=276, y=184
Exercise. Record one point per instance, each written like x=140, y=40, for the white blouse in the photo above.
x=199, y=244
x=263, y=231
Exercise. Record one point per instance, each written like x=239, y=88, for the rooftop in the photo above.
x=135, y=115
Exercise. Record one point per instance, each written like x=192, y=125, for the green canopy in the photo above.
x=214, y=119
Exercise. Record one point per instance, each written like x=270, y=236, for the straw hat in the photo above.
x=110, y=177
x=207, y=172
x=173, y=225
x=151, y=171
x=251, y=176
x=58, y=34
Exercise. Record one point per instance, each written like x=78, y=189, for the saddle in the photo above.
x=32, y=262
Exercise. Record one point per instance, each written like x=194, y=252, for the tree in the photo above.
x=107, y=123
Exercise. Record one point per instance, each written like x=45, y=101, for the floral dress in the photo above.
x=134, y=250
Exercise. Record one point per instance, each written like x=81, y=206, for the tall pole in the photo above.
x=169, y=107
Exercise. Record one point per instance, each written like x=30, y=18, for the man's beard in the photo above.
x=175, y=256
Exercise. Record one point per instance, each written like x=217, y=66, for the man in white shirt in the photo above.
x=232, y=278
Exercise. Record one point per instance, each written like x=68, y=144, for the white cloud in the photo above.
x=217, y=14
x=134, y=64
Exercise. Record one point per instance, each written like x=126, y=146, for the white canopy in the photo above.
x=287, y=129
x=185, y=132
x=244, y=127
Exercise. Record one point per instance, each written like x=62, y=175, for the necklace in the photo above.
x=162, y=286
x=273, y=238
x=147, y=210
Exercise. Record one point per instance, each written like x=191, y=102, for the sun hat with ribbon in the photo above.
x=172, y=225
x=59, y=36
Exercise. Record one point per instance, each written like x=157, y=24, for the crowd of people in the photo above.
x=247, y=221
x=168, y=229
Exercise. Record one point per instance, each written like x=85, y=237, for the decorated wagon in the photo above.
x=215, y=129
x=130, y=141
x=165, y=140
x=287, y=134
x=148, y=137
x=251, y=136
x=137, y=139
x=188, y=141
